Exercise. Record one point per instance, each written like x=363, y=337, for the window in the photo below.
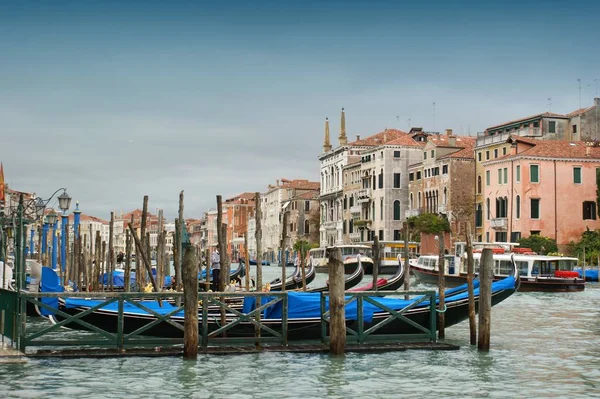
x=518, y=207
x=381, y=209
x=487, y=155
x=478, y=216
x=487, y=211
x=381, y=235
x=499, y=176
x=515, y=236
x=419, y=175
x=487, y=177
x=487, y=236
x=351, y=201
x=345, y=202
x=518, y=174
x=552, y=127
x=396, y=180
x=535, y=208
x=501, y=236
x=479, y=156
x=589, y=210
x=432, y=154
x=505, y=170
x=577, y=175
x=307, y=205
x=344, y=227
x=381, y=179
x=397, y=235
x=396, y=154
x=424, y=155
x=534, y=173
x=535, y=232
x=307, y=227
x=350, y=226
x=536, y=124
x=501, y=207
x=479, y=185
x=495, y=153
x=503, y=150
x=574, y=129
x=397, y=210
x=444, y=169
x=411, y=176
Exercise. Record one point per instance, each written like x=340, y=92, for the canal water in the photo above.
x=543, y=345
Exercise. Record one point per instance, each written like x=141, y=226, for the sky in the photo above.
x=116, y=101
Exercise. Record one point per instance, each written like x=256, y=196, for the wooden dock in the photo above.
x=239, y=350
x=9, y=354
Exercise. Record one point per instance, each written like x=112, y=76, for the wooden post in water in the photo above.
x=470, y=272
x=376, y=261
x=85, y=257
x=247, y=261
x=102, y=265
x=145, y=260
x=177, y=276
x=208, y=266
x=66, y=237
x=441, y=288
x=190, y=302
x=406, y=260
x=160, y=251
x=97, y=253
x=127, y=267
x=142, y=276
x=282, y=250
x=258, y=237
x=303, y=268
x=111, y=258
x=337, y=312
x=485, y=299
x=180, y=240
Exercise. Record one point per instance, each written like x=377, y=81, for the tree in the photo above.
x=540, y=244
x=314, y=222
x=590, y=240
x=429, y=223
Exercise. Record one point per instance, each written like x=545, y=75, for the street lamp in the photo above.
x=53, y=221
x=64, y=201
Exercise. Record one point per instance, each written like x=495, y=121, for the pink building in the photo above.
x=541, y=187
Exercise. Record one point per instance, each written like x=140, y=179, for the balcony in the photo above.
x=355, y=237
x=364, y=195
x=329, y=225
x=412, y=213
x=442, y=208
x=355, y=209
x=362, y=223
x=499, y=223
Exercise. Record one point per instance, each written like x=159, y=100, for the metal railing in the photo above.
x=361, y=335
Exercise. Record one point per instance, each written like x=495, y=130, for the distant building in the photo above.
x=541, y=187
x=584, y=124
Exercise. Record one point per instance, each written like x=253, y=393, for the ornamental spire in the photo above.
x=327, y=143
x=343, y=139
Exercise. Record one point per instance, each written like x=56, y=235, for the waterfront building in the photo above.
x=443, y=183
x=584, y=124
x=351, y=208
x=332, y=164
x=541, y=187
x=274, y=203
x=303, y=219
x=237, y=210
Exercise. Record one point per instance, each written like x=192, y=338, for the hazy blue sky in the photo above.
x=116, y=101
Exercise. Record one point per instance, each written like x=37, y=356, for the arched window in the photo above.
x=419, y=200
x=306, y=227
x=411, y=201
x=445, y=195
x=397, y=210
x=487, y=204
x=518, y=206
x=478, y=184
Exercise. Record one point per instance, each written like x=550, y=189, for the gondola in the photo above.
x=391, y=284
x=304, y=318
x=351, y=281
x=290, y=282
x=236, y=274
x=252, y=262
x=310, y=276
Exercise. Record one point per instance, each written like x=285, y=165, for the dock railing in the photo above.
x=360, y=335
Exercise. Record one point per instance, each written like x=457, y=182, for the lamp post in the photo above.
x=76, y=220
x=64, y=202
x=53, y=221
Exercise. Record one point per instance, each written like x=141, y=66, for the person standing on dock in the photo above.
x=215, y=261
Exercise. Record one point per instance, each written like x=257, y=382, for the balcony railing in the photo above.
x=412, y=212
x=499, y=223
x=362, y=223
x=356, y=209
x=355, y=237
x=364, y=195
x=329, y=225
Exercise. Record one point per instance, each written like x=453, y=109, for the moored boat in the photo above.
x=537, y=272
x=352, y=255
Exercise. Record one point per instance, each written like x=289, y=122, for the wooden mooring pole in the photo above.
x=337, y=312
x=376, y=261
x=282, y=250
x=247, y=265
x=470, y=272
x=190, y=302
x=258, y=237
x=485, y=299
x=406, y=261
x=441, y=288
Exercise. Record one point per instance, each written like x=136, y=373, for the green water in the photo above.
x=543, y=345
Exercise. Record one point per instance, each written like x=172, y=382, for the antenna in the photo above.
x=409, y=124
x=398, y=120
x=579, y=80
x=549, y=104
x=434, y=116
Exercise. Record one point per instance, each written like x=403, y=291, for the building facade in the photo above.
x=540, y=187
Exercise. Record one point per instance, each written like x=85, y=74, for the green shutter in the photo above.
x=577, y=175
x=534, y=175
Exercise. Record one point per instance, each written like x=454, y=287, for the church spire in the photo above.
x=327, y=143
x=343, y=139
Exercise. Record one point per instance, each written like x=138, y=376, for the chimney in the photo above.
x=357, y=137
x=597, y=101
x=277, y=182
x=448, y=132
x=452, y=141
x=588, y=151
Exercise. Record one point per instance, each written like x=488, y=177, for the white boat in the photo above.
x=351, y=255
